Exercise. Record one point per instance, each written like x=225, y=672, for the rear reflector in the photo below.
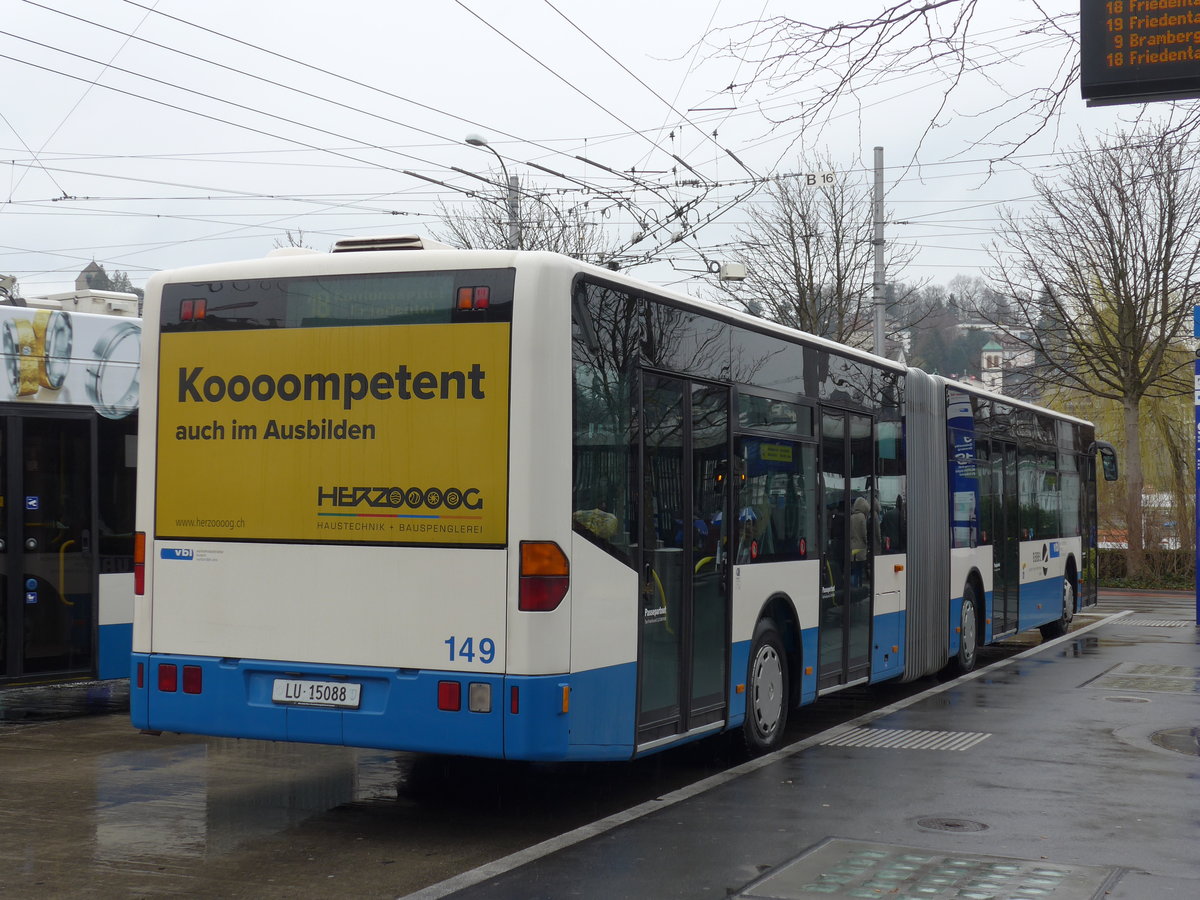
x=168, y=677
x=193, y=679
x=139, y=563
x=545, y=576
x=141, y=675
x=449, y=696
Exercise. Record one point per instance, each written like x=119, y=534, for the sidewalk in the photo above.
x=1069, y=771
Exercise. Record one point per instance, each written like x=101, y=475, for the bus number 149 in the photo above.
x=467, y=649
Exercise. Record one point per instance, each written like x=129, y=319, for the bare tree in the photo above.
x=292, y=239
x=950, y=39
x=1103, y=274
x=543, y=225
x=809, y=257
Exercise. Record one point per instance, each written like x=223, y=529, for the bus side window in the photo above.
x=775, y=511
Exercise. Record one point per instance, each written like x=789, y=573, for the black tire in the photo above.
x=1062, y=624
x=968, y=635
x=766, y=691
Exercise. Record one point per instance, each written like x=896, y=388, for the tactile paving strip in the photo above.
x=906, y=739
x=845, y=869
x=1149, y=677
x=1145, y=622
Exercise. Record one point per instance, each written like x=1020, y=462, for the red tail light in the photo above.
x=168, y=677
x=545, y=576
x=474, y=297
x=449, y=696
x=192, y=310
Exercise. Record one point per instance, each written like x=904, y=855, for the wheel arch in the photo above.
x=780, y=609
x=1071, y=572
x=975, y=580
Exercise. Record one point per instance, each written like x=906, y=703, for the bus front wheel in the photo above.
x=766, y=690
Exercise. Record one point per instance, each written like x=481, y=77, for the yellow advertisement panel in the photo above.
x=383, y=433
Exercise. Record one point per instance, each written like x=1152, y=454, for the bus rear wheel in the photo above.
x=1062, y=624
x=766, y=691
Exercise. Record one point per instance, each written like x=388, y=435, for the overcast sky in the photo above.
x=121, y=141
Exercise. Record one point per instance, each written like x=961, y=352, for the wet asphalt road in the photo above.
x=90, y=807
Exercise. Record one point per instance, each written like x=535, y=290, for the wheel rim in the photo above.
x=767, y=689
x=968, y=631
x=1068, y=602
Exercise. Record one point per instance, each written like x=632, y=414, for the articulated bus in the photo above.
x=506, y=504
x=68, y=436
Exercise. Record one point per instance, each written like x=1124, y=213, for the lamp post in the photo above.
x=514, y=200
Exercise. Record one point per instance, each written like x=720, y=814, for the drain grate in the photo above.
x=844, y=869
x=906, y=739
x=956, y=826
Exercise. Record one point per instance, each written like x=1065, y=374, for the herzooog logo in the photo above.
x=400, y=498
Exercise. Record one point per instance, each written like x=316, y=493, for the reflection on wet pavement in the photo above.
x=204, y=799
x=90, y=807
x=49, y=702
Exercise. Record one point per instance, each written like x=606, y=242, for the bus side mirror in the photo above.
x=1108, y=460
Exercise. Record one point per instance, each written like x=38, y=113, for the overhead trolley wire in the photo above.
x=298, y=142
x=318, y=97
x=659, y=96
x=81, y=98
x=491, y=129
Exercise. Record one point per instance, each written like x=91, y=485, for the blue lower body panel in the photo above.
x=887, y=643
x=115, y=641
x=398, y=709
x=1041, y=602
x=955, y=624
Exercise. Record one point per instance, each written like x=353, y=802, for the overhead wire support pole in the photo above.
x=879, y=267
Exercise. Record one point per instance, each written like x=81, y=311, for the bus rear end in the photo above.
x=325, y=552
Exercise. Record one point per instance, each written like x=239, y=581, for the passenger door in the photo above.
x=850, y=530
x=47, y=552
x=1006, y=544
x=683, y=556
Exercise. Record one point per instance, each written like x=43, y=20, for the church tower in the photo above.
x=991, y=367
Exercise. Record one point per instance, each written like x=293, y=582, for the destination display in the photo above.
x=1135, y=51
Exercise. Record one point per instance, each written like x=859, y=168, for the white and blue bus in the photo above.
x=511, y=505
x=68, y=435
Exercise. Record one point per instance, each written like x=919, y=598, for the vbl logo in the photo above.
x=177, y=553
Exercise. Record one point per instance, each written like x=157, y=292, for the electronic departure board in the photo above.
x=1133, y=51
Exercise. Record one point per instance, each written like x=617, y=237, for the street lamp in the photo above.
x=514, y=200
